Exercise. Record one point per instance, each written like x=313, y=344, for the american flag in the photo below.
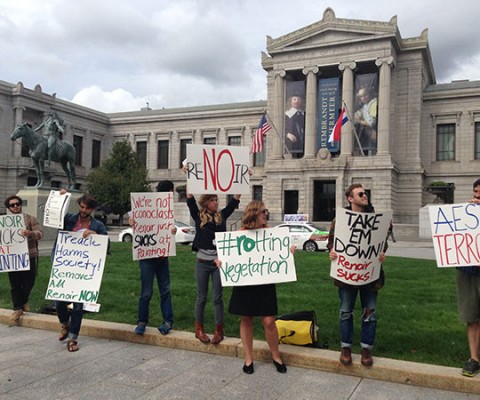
x=263, y=128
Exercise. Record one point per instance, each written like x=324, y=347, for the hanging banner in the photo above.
x=328, y=111
x=365, y=114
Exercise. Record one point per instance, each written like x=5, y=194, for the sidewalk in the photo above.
x=114, y=363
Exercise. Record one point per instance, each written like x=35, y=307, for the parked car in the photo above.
x=307, y=236
x=185, y=234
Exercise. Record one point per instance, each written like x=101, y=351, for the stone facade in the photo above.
x=424, y=131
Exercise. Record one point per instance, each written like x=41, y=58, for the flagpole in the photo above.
x=276, y=131
x=353, y=128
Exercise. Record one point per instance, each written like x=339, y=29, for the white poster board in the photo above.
x=217, y=169
x=77, y=267
x=14, y=254
x=153, y=223
x=359, y=240
x=55, y=209
x=255, y=257
x=456, y=234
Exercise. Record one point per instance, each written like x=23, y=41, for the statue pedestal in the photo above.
x=34, y=201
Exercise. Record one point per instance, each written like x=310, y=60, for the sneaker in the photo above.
x=471, y=368
x=346, y=356
x=366, y=360
x=140, y=328
x=165, y=328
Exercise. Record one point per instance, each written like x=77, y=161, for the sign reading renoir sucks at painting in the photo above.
x=77, y=267
x=255, y=257
x=359, y=240
x=14, y=254
x=217, y=169
x=456, y=234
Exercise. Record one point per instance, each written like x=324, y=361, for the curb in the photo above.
x=384, y=369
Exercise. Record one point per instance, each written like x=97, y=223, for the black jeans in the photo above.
x=22, y=283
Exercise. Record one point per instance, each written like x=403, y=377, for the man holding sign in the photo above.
x=358, y=200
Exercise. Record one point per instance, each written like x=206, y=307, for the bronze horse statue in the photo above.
x=38, y=150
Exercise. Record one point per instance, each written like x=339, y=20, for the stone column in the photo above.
x=278, y=116
x=383, y=119
x=347, y=96
x=311, y=112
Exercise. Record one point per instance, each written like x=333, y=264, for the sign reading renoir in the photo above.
x=13, y=246
x=359, y=240
x=255, y=257
x=77, y=267
x=456, y=234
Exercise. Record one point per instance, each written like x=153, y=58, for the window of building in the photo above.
x=142, y=153
x=78, y=144
x=209, y=140
x=257, y=192
x=234, y=140
x=96, y=151
x=477, y=140
x=183, y=149
x=259, y=158
x=445, y=142
x=162, y=160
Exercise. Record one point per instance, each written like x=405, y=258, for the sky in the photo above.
x=120, y=55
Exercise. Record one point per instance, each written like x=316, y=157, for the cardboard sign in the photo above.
x=77, y=267
x=14, y=254
x=55, y=209
x=456, y=234
x=153, y=223
x=255, y=257
x=217, y=169
x=359, y=240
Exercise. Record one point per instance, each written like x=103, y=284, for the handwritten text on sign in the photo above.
x=255, y=257
x=13, y=246
x=153, y=223
x=456, y=234
x=77, y=267
x=217, y=169
x=56, y=208
x=359, y=240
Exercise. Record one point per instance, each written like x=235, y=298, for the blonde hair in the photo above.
x=205, y=216
x=250, y=215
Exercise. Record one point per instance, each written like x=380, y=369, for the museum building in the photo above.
x=403, y=130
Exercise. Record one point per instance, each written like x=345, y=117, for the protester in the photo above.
x=22, y=282
x=159, y=267
x=468, y=303
x=358, y=202
x=84, y=222
x=256, y=301
x=209, y=220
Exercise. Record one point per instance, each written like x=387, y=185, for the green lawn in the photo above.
x=416, y=309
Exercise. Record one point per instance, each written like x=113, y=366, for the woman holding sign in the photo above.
x=208, y=220
x=256, y=301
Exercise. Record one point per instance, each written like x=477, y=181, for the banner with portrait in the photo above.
x=294, y=134
x=365, y=114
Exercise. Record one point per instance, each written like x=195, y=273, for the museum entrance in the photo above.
x=323, y=201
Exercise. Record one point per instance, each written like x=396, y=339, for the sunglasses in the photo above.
x=361, y=194
x=264, y=211
x=11, y=205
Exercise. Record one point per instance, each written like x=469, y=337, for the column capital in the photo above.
x=307, y=70
x=384, y=60
x=349, y=64
x=281, y=74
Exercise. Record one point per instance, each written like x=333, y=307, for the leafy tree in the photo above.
x=118, y=176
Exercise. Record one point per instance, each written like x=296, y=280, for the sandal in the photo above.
x=64, y=332
x=72, y=345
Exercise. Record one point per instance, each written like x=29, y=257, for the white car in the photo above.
x=307, y=236
x=185, y=234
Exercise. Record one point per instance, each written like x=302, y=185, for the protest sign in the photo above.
x=55, y=209
x=14, y=254
x=456, y=234
x=359, y=240
x=77, y=267
x=217, y=169
x=154, y=220
x=255, y=257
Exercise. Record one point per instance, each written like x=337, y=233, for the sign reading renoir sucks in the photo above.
x=456, y=234
x=359, y=240
x=14, y=254
x=77, y=267
x=255, y=257
x=217, y=169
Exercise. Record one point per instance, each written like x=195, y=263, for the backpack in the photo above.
x=299, y=328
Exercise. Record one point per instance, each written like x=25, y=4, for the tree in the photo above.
x=118, y=176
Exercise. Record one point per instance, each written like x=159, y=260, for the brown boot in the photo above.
x=14, y=317
x=366, y=359
x=200, y=333
x=218, y=334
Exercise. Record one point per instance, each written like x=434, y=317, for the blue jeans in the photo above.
x=150, y=268
x=75, y=320
x=368, y=298
x=205, y=270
